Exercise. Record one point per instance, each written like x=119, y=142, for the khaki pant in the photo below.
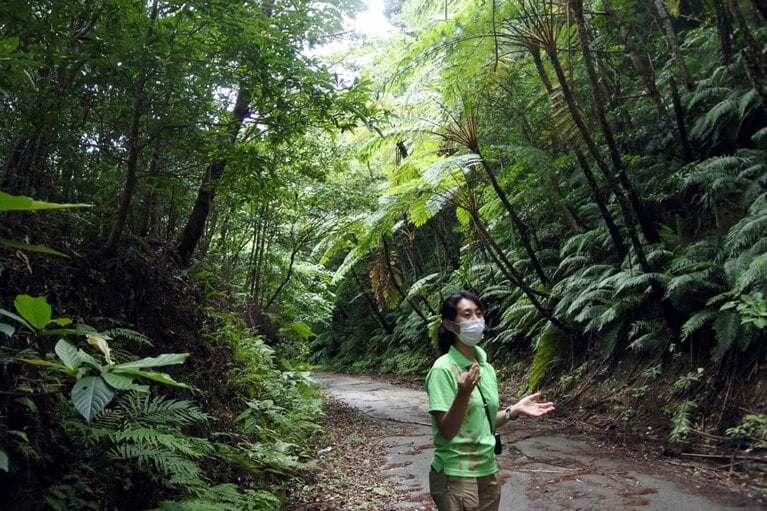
x=464, y=493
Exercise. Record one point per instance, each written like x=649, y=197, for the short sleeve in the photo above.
x=441, y=386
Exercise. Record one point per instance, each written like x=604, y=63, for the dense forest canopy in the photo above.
x=216, y=190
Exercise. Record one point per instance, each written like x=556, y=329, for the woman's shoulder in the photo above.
x=443, y=361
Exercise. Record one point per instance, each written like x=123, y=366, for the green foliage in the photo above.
x=686, y=381
x=91, y=393
x=148, y=433
x=224, y=497
x=551, y=352
x=681, y=421
x=752, y=431
x=751, y=308
x=78, y=495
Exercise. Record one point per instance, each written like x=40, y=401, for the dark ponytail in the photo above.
x=449, y=311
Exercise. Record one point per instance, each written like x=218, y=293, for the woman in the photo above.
x=464, y=408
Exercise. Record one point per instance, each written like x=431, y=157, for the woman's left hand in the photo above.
x=530, y=407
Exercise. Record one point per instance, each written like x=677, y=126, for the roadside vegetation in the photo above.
x=198, y=205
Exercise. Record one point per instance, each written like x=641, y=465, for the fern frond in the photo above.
x=572, y=263
x=747, y=231
x=145, y=409
x=610, y=339
x=721, y=113
x=588, y=299
x=641, y=282
x=165, y=467
x=550, y=351
x=727, y=326
x=681, y=290
x=646, y=335
x=224, y=497
x=129, y=334
x=697, y=321
x=703, y=94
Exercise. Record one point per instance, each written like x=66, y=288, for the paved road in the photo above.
x=540, y=471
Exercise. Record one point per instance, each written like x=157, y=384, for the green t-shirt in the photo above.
x=471, y=452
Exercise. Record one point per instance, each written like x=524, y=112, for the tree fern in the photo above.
x=551, y=350
x=160, y=463
x=697, y=321
x=148, y=432
x=638, y=283
x=129, y=334
x=688, y=289
x=728, y=328
x=750, y=229
x=223, y=497
x=647, y=335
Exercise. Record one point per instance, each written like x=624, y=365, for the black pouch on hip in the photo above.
x=498, y=446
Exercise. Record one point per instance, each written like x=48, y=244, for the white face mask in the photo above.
x=472, y=331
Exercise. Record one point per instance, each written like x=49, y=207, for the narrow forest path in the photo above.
x=543, y=467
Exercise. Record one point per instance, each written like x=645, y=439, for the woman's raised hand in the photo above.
x=469, y=379
x=530, y=407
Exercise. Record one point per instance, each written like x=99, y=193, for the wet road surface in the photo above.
x=539, y=470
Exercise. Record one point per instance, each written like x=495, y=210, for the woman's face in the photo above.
x=467, y=310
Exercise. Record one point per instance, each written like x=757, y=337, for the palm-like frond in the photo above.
x=750, y=229
x=685, y=290
x=224, y=497
x=728, y=328
x=697, y=321
x=647, y=335
x=161, y=464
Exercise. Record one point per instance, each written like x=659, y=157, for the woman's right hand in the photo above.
x=469, y=379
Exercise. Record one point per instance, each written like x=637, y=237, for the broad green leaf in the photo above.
x=158, y=377
x=16, y=317
x=63, y=331
x=100, y=342
x=165, y=359
x=22, y=203
x=7, y=329
x=68, y=353
x=35, y=310
x=31, y=248
x=91, y=395
x=90, y=360
x=3, y=461
x=123, y=382
x=46, y=363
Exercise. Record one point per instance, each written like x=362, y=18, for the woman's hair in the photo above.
x=449, y=311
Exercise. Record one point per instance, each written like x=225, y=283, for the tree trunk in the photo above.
x=195, y=225
x=507, y=268
x=626, y=210
x=570, y=217
x=601, y=202
x=660, y=11
x=134, y=150
x=724, y=27
x=754, y=61
x=599, y=198
x=649, y=230
x=516, y=222
x=639, y=65
x=679, y=132
x=131, y=173
x=388, y=328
